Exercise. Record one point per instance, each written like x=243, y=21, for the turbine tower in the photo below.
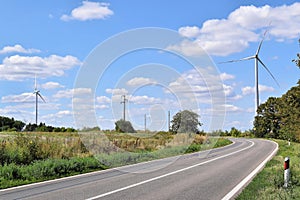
x=256, y=61
x=37, y=94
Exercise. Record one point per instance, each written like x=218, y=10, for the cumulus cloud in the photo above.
x=69, y=93
x=251, y=90
x=244, y=25
x=188, y=48
x=89, y=11
x=18, y=98
x=142, y=100
x=51, y=85
x=63, y=113
x=18, y=49
x=103, y=99
x=116, y=91
x=203, y=84
x=232, y=108
x=224, y=76
x=139, y=81
x=189, y=31
x=18, y=67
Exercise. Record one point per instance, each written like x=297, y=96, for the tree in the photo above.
x=268, y=120
x=185, y=122
x=10, y=124
x=235, y=132
x=279, y=117
x=290, y=112
x=123, y=126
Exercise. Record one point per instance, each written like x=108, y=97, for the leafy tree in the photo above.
x=290, y=112
x=185, y=122
x=268, y=120
x=10, y=124
x=234, y=132
x=123, y=126
x=279, y=117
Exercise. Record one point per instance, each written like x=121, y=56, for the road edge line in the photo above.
x=103, y=170
x=170, y=173
x=246, y=180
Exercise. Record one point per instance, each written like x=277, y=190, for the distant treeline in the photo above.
x=10, y=124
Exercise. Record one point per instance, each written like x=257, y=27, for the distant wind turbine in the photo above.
x=37, y=94
x=256, y=60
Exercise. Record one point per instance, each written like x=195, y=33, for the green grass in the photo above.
x=28, y=158
x=14, y=175
x=268, y=184
x=117, y=159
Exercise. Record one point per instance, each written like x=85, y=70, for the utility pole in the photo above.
x=124, y=108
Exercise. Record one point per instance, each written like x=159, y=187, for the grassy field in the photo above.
x=268, y=184
x=33, y=157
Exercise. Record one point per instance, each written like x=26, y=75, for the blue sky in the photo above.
x=58, y=40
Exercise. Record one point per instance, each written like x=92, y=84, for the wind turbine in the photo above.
x=37, y=94
x=256, y=61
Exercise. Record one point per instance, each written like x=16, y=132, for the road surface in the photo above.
x=215, y=174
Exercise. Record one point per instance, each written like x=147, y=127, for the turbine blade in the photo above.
x=268, y=71
x=242, y=59
x=258, y=49
x=25, y=99
x=41, y=97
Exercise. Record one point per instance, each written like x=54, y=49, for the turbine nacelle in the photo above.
x=257, y=60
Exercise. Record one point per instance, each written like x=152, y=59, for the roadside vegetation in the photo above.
x=278, y=118
x=29, y=157
x=268, y=184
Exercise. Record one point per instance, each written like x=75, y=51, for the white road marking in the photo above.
x=103, y=171
x=168, y=174
x=250, y=176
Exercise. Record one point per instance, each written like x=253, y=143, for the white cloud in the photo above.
x=189, y=31
x=139, y=81
x=251, y=90
x=244, y=25
x=247, y=90
x=51, y=85
x=142, y=100
x=19, y=67
x=232, y=108
x=19, y=98
x=204, y=83
x=63, y=113
x=224, y=76
x=188, y=48
x=69, y=93
x=89, y=11
x=103, y=99
x=116, y=91
x=101, y=107
x=18, y=49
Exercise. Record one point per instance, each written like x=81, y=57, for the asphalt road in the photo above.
x=206, y=175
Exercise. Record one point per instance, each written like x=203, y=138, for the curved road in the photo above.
x=215, y=174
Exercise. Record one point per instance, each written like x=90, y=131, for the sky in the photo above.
x=164, y=56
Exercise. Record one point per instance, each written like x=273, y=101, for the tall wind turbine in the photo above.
x=37, y=94
x=256, y=61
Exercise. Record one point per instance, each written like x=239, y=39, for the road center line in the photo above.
x=169, y=174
